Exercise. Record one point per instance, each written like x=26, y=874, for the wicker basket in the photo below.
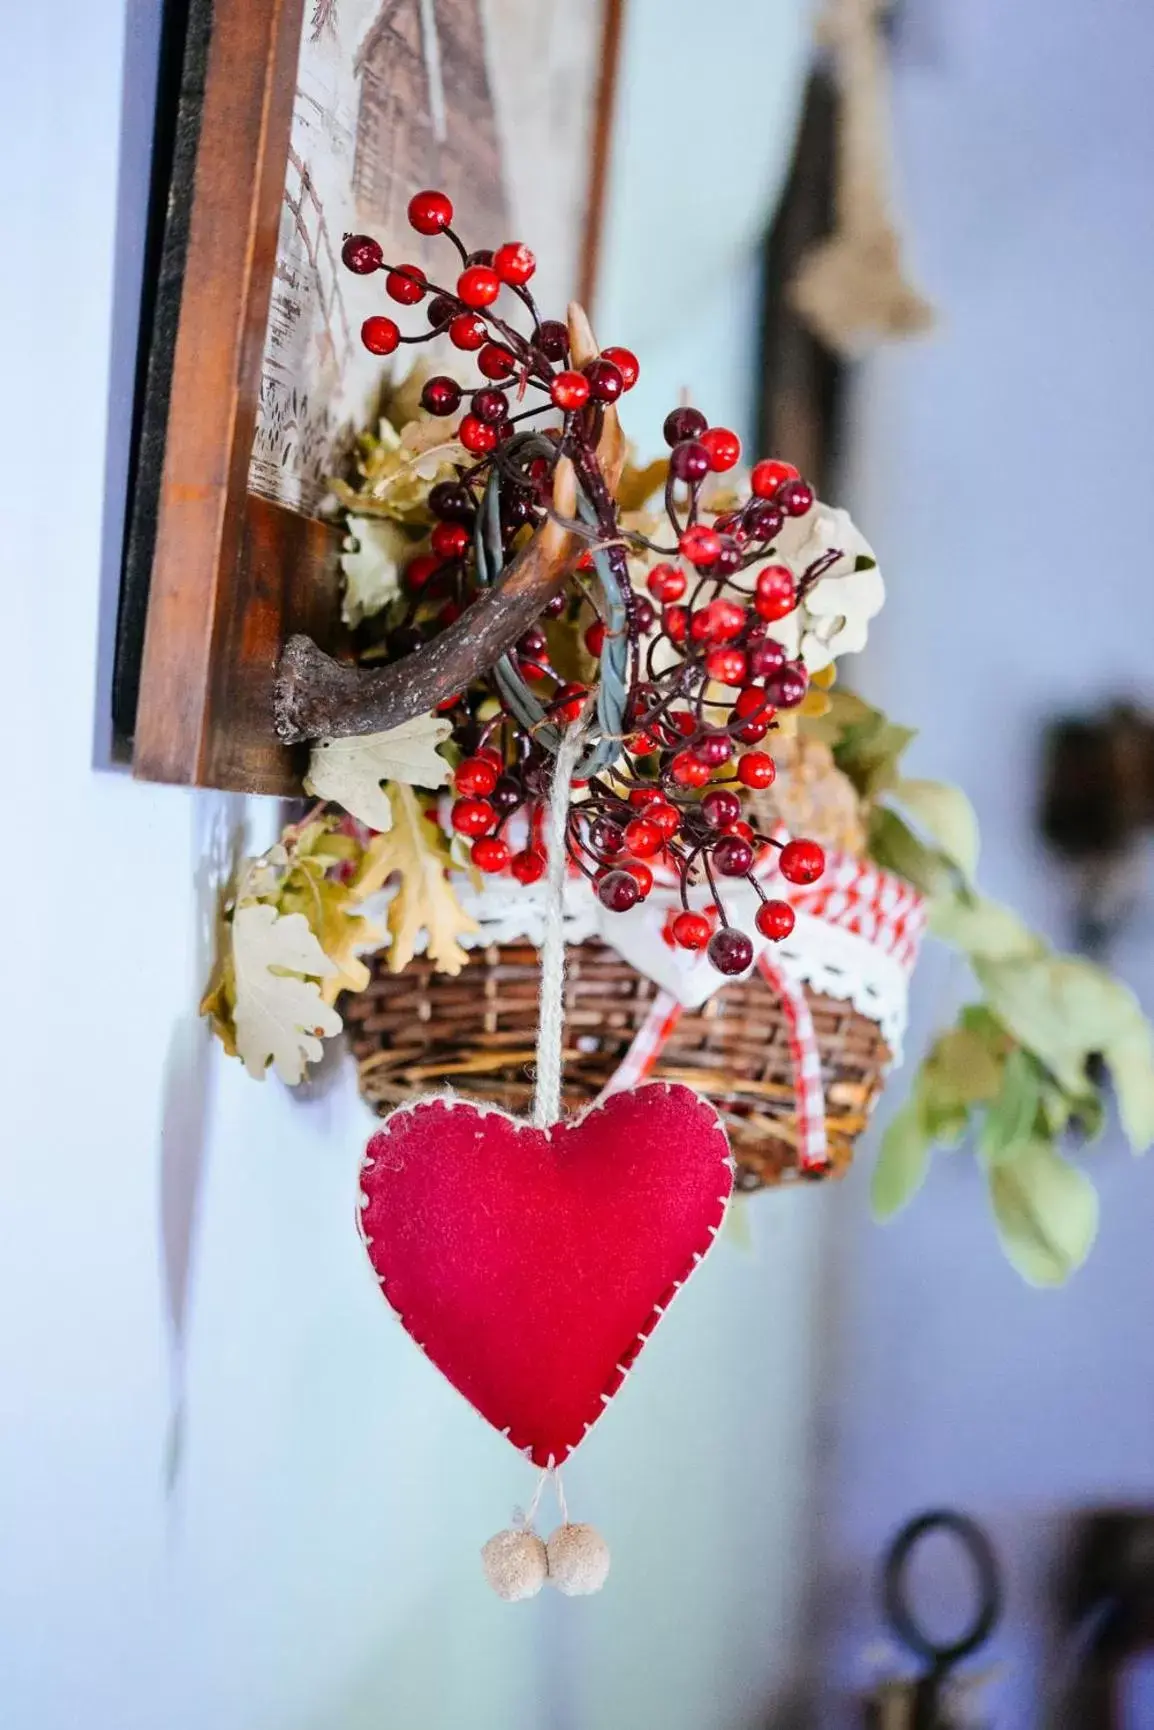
x=418, y=1030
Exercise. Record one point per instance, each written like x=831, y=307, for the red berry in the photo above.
x=730, y=951
x=605, y=381
x=529, y=866
x=726, y=620
x=775, y=919
x=795, y=498
x=802, y=861
x=570, y=390
x=490, y=754
x=595, y=637
x=682, y=722
x=473, y=817
x=643, y=837
x=751, y=702
x=722, y=447
x=380, y=335
x=675, y=621
x=757, y=769
x=626, y=363
x=490, y=405
x=430, y=212
x=640, y=873
x=727, y=666
x=776, y=592
x=666, y=583
x=479, y=285
x=767, y=476
x=742, y=828
x=688, y=770
x=733, y=856
x=699, y=545
x=490, y=854
x=720, y=807
x=361, y=254
x=569, y=702
x=441, y=395
x=619, y=891
x=495, y=361
x=476, y=777
x=406, y=284
x=664, y=816
x=449, y=540
x=691, y=930
x=419, y=570
x=476, y=436
x=683, y=423
x=467, y=331
x=514, y=263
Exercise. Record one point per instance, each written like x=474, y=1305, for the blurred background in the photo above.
x=230, y=1494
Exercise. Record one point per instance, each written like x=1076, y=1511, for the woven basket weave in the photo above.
x=419, y=1030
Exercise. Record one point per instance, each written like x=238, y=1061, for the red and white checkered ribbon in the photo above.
x=851, y=894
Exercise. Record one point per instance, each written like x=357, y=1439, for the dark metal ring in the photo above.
x=898, y=1613
x=607, y=732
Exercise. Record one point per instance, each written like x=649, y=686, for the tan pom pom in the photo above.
x=578, y=1560
x=515, y=1565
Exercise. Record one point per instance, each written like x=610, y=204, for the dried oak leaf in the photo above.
x=424, y=900
x=280, y=1016
x=350, y=771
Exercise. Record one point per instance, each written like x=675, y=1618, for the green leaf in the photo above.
x=979, y=927
x=1010, y=1120
x=903, y=1160
x=1035, y=1000
x=946, y=816
x=965, y=1065
x=1131, y=1065
x=894, y=846
x=869, y=752
x=1046, y=1212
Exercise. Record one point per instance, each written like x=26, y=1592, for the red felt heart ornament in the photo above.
x=531, y=1265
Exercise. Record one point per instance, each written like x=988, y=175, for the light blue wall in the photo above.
x=1003, y=472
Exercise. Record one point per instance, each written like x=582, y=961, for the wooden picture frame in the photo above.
x=226, y=556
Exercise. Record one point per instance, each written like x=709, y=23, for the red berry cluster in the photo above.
x=706, y=676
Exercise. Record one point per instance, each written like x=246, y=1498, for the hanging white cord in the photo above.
x=551, y=1008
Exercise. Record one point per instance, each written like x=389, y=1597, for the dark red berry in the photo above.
x=765, y=658
x=441, y=311
x=626, y=363
x=430, y=212
x=689, y=461
x=795, y=498
x=768, y=475
x=605, y=381
x=607, y=837
x=720, y=807
x=491, y=406
x=361, y=254
x=728, y=560
x=406, y=284
x=775, y=919
x=514, y=263
x=787, y=687
x=715, y=749
x=730, y=951
x=506, y=794
x=764, y=520
x=452, y=503
x=722, y=446
x=467, y=331
x=683, y=423
x=441, y=395
x=618, y=891
x=483, y=256
x=490, y=854
x=642, y=613
x=802, y=861
x=757, y=770
x=732, y=856
x=553, y=339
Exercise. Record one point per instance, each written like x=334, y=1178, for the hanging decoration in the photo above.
x=557, y=732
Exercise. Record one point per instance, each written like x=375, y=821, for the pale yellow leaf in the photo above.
x=375, y=552
x=350, y=771
x=425, y=901
x=280, y=1018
